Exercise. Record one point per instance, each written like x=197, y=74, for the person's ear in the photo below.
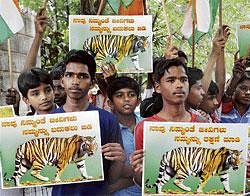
x=111, y=105
x=26, y=100
x=92, y=84
x=138, y=101
x=157, y=87
x=62, y=82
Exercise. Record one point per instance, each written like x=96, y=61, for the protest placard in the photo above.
x=126, y=41
x=50, y=149
x=243, y=38
x=198, y=158
x=7, y=111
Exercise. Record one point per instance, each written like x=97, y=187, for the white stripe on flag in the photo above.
x=203, y=15
x=187, y=27
x=11, y=15
x=202, y=18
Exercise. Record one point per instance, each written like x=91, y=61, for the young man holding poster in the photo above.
x=172, y=84
x=79, y=72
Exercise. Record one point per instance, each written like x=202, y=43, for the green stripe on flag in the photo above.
x=213, y=10
x=5, y=31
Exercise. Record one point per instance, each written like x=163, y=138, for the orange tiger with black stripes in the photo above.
x=117, y=47
x=201, y=162
x=59, y=152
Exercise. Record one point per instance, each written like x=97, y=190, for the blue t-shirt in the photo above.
x=129, y=148
x=110, y=133
x=234, y=117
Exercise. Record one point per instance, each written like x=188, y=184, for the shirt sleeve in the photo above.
x=139, y=136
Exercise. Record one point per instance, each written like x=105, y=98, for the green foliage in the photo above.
x=233, y=11
x=55, y=42
x=53, y=49
x=58, y=10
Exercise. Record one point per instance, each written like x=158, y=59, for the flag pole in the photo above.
x=167, y=24
x=193, y=32
x=220, y=13
x=45, y=4
x=10, y=64
x=101, y=6
x=193, y=43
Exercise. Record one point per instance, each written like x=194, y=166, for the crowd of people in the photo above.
x=178, y=93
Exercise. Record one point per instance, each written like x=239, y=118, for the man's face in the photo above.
x=60, y=94
x=209, y=103
x=41, y=98
x=195, y=95
x=173, y=86
x=242, y=93
x=124, y=101
x=76, y=80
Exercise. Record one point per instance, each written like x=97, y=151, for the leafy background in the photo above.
x=55, y=43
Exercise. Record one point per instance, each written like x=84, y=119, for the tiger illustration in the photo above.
x=59, y=152
x=117, y=47
x=201, y=162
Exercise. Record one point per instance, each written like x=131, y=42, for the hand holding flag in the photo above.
x=41, y=22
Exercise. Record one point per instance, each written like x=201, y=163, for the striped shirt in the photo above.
x=233, y=116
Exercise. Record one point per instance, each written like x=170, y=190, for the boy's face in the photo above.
x=124, y=101
x=41, y=98
x=209, y=103
x=60, y=94
x=242, y=93
x=173, y=86
x=196, y=94
x=76, y=80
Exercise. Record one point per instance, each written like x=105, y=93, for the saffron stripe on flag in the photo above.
x=11, y=19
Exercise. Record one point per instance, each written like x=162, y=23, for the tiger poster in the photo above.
x=50, y=149
x=7, y=111
x=243, y=31
x=125, y=41
x=194, y=158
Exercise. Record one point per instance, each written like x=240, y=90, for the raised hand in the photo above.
x=41, y=22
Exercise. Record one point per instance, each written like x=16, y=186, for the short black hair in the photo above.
x=80, y=56
x=213, y=88
x=243, y=78
x=120, y=83
x=164, y=65
x=57, y=71
x=32, y=78
x=194, y=74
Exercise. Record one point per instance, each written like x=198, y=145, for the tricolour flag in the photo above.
x=203, y=12
x=11, y=20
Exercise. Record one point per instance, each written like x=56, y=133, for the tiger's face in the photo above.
x=234, y=159
x=141, y=44
x=89, y=145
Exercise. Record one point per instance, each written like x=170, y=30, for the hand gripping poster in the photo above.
x=50, y=149
x=125, y=41
x=194, y=158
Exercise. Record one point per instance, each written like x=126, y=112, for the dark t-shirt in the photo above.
x=110, y=133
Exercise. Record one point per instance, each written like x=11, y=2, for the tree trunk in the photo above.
x=88, y=7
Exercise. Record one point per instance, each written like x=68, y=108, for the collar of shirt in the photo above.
x=137, y=120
